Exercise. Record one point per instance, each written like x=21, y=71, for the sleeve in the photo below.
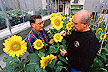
x=30, y=45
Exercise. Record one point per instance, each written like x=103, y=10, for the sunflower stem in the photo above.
x=103, y=36
x=31, y=63
x=58, y=48
x=19, y=59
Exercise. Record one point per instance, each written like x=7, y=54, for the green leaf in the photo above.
x=58, y=68
x=62, y=59
x=105, y=49
x=34, y=58
x=52, y=49
x=40, y=70
x=100, y=63
x=52, y=64
x=106, y=65
x=105, y=71
x=104, y=57
x=8, y=69
x=30, y=68
x=59, y=63
x=7, y=59
x=107, y=46
x=40, y=54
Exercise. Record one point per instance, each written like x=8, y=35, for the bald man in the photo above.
x=82, y=43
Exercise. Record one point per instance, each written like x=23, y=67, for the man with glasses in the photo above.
x=37, y=32
x=82, y=44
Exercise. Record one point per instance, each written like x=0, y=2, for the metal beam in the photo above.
x=5, y=16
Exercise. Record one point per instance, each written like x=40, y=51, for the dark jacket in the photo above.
x=82, y=49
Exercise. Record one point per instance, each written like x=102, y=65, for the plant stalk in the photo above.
x=103, y=36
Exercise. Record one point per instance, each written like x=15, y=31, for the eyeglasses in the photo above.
x=40, y=23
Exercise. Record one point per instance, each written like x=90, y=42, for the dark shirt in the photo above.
x=34, y=35
x=82, y=49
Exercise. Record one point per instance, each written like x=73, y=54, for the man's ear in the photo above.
x=85, y=24
x=32, y=25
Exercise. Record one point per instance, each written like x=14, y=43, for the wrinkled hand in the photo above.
x=51, y=41
x=56, y=58
x=63, y=52
x=63, y=33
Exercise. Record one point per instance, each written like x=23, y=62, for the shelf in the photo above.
x=76, y=8
x=76, y=4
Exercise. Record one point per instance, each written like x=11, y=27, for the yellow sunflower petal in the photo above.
x=57, y=37
x=69, y=26
x=99, y=30
x=46, y=60
x=102, y=35
x=13, y=45
x=57, y=23
x=38, y=44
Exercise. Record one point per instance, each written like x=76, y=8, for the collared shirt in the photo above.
x=34, y=35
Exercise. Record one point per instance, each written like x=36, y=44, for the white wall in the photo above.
x=90, y=5
x=44, y=4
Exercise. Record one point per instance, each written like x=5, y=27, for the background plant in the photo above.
x=100, y=63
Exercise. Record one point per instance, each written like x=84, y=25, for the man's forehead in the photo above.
x=39, y=20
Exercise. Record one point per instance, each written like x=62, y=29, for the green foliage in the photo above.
x=15, y=17
x=33, y=61
x=100, y=63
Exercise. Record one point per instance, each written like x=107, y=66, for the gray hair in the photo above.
x=84, y=16
x=85, y=19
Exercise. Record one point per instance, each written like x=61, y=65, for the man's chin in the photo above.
x=75, y=29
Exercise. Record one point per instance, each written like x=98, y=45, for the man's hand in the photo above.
x=63, y=52
x=63, y=33
x=56, y=58
x=51, y=41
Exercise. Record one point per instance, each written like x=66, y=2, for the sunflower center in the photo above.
x=16, y=47
x=38, y=44
x=47, y=62
x=57, y=37
x=69, y=26
x=102, y=35
x=57, y=23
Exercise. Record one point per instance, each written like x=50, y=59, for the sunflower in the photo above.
x=38, y=44
x=60, y=16
x=99, y=30
x=46, y=60
x=102, y=35
x=57, y=37
x=66, y=15
x=52, y=15
x=92, y=29
x=69, y=26
x=15, y=46
x=56, y=22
